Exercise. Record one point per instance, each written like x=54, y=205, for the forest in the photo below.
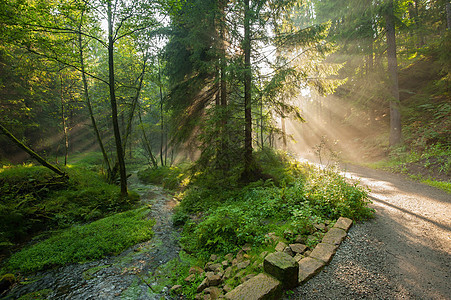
x=215, y=104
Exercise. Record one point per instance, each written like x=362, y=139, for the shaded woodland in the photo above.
x=216, y=101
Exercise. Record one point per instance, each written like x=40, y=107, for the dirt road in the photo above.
x=403, y=253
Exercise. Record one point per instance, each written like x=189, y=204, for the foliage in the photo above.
x=170, y=178
x=108, y=236
x=33, y=200
x=221, y=220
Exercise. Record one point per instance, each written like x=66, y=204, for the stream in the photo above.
x=133, y=274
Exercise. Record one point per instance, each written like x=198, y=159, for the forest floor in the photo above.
x=137, y=273
x=403, y=253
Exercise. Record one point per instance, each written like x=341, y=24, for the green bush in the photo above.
x=80, y=243
x=248, y=214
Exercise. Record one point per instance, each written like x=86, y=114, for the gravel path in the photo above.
x=403, y=253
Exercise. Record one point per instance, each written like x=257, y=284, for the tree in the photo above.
x=395, y=116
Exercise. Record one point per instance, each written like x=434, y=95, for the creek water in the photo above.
x=130, y=275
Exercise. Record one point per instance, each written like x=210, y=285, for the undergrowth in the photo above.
x=33, y=199
x=290, y=200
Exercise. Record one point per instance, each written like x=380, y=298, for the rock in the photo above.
x=283, y=267
x=213, y=267
x=246, y=248
x=213, y=291
x=202, y=286
x=213, y=279
x=227, y=273
x=213, y=257
x=243, y=265
x=225, y=263
x=324, y=252
x=196, y=270
x=229, y=257
x=263, y=254
x=288, y=251
x=298, y=248
x=176, y=288
x=259, y=287
x=280, y=246
x=300, y=239
x=334, y=236
x=247, y=277
x=343, y=223
x=320, y=226
x=308, y=267
x=190, y=278
x=298, y=257
x=227, y=288
x=308, y=252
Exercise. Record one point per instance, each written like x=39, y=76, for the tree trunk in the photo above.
x=248, y=159
x=88, y=104
x=147, y=145
x=117, y=133
x=395, y=116
x=36, y=156
x=161, y=115
x=63, y=120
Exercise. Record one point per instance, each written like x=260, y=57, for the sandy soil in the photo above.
x=403, y=253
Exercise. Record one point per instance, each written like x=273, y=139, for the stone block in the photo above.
x=298, y=248
x=324, y=252
x=343, y=223
x=280, y=246
x=308, y=267
x=213, y=279
x=283, y=267
x=260, y=287
x=334, y=236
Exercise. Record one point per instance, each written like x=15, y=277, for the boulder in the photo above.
x=213, y=291
x=213, y=257
x=288, y=251
x=343, y=223
x=283, y=267
x=176, y=288
x=260, y=287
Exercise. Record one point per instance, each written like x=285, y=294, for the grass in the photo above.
x=34, y=200
x=445, y=186
x=80, y=243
